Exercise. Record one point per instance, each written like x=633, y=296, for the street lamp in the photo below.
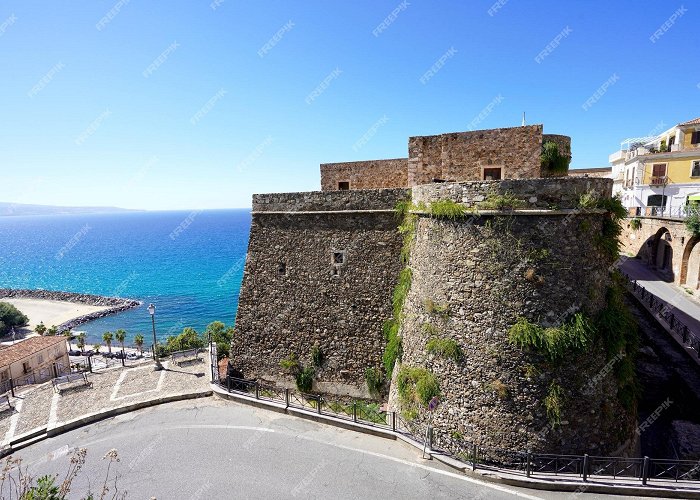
x=152, y=312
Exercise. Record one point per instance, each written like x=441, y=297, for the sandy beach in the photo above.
x=51, y=312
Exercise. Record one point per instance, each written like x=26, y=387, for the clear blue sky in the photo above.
x=99, y=132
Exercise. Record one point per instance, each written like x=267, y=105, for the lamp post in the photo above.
x=152, y=312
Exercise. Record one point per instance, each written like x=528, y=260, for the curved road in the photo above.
x=210, y=448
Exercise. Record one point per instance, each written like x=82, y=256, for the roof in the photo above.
x=695, y=121
x=21, y=350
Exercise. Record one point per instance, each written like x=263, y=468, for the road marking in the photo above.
x=122, y=376
x=14, y=420
x=53, y=413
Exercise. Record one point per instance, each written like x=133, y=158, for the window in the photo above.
x=656, y=200
x=695, y=138
x=492, y=173
x=343, y=186
x=658, y=170
x=337, y=262
x=26, y=368
x=695, y=169
x=4, y=376
x=40, y=358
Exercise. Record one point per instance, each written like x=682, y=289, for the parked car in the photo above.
x=74, y=353
x=132, y=356
x=108, y=355
x=88, y=353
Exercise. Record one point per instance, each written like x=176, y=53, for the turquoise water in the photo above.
x=189, y=264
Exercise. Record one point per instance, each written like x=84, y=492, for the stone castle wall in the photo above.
x=462, y=156
x=372, y=174
x=340, y=307
x=486, y=272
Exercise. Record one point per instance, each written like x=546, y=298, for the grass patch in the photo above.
x=553, y=342
x=432, y=307
x=505, y=201
x=499, y=388
x=447, y=209
x=417, y=386
x=401, y=290
x=393, y=349
x=554, y=403
x=446, y=348
x=429, y=329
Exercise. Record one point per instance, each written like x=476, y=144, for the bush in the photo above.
x=499, y=388
x=10, y=317
x=636, y=224
x=317, y=356
x=416, y=386
x=305, y=379
x=446, y=348
x=291, y=364
x=553, y=161
x=374, y=380
x=692, y=222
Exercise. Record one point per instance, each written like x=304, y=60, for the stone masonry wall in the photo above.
x=561, y=193
x=487, y=272
x=461, y=156
x=289, y=312
x=372, y=174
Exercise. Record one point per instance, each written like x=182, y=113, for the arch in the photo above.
x=662, y=253
x=686, y=261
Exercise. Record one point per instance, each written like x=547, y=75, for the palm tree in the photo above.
x=40, y=328
x=107, y=337
x=120, y=335
x=97, y=348
x=81, y=341
x=53, y=330
x=69, y=335
x=138, y=340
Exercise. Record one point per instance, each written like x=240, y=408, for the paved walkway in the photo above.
x=684, y=308
x=39, y=407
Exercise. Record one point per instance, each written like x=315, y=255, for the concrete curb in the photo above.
x=493, y=476
x=41, y=433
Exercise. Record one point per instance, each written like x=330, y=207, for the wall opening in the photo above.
x=343, y=186
x=282, y=269
x=492, y=174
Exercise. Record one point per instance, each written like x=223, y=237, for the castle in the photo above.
x=491, y=236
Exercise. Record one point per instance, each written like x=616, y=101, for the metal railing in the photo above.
x=689, y=338
x=677, y=212
x=451, y=444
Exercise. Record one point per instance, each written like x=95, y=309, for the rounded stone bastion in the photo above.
x=524, y=251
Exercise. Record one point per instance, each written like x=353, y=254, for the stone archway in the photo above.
x=662, y=253
x=690, y=265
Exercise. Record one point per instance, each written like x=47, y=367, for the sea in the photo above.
x=189, y=264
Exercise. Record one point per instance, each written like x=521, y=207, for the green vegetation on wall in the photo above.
x=608, y=240
x=553, y=403
x=553, y=342
x=375, y=380
x=553, y=161
x=636, y=224
x=505, y=201
x=692, y=222
x=416, y=386
x=446, y=348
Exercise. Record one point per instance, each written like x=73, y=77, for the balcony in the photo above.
x=658, y=180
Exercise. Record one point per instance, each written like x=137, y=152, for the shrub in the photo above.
x=317, y=356
x=553, y=161
x=692, y=222
x=447, y=209
x=446, y=348
x=636, y=224
x=553, y=403
x=374, y=380
x=305, y=379
x=416, y=386
x=429, y=329
x=291, y=364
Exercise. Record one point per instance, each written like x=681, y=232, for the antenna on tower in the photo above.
x=523, y=119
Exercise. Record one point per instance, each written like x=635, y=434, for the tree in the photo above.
x=53, y=330
x=69, y=335
x=10, y=317
x=138, y=340
x=97, y=348
x=81, y=341
x=40, y=328
x=221, y=336
x=120, y=335
x=107, y=337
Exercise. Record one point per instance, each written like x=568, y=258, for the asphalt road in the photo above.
x=684, y=308
x=210, y=448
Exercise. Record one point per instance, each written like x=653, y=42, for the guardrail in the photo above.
x=686, y=335
x=451, y=444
